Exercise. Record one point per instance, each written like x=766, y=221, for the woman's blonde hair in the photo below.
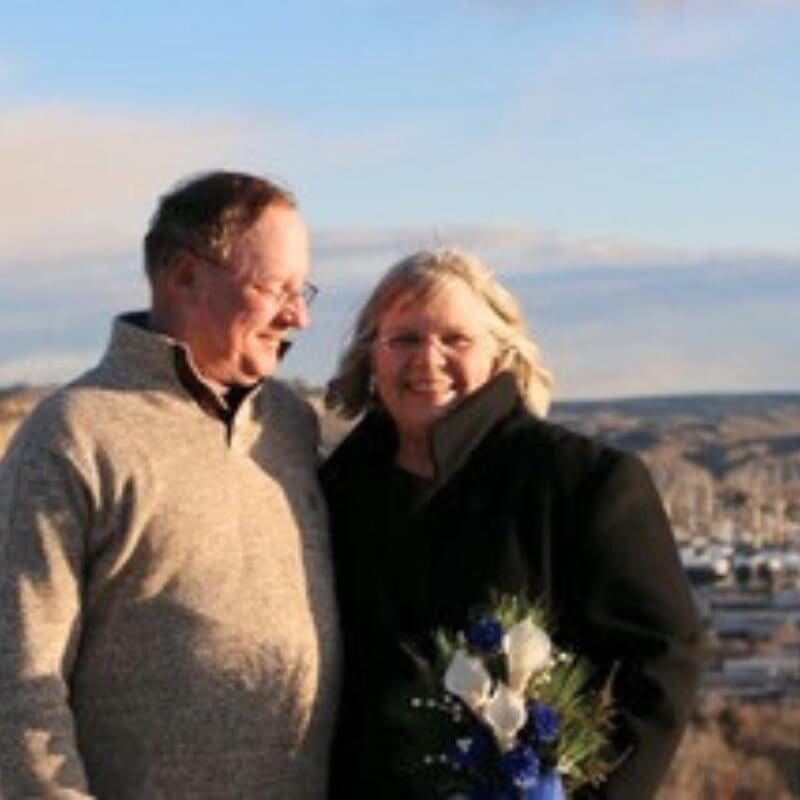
x=349, y=392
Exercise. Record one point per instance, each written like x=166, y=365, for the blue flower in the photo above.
x=485, y=634
x=468, y=750
x=521, y=766
x=549, y=787
x=543, y=722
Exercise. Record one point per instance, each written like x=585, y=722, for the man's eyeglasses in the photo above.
x=280, y=296
x=307, y=292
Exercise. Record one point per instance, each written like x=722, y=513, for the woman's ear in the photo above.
x=502, y=359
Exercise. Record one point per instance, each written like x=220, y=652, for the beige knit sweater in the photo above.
x=167, y=621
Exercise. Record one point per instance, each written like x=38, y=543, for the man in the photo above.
x=167, y=623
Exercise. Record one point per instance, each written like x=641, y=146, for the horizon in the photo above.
x=787, y=394
x=628, y=170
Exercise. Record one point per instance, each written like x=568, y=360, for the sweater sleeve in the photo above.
x=638, y=614
x=44, y=514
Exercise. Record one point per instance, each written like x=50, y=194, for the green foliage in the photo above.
x=585, y=717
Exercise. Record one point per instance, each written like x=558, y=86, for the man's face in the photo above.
x=241, y=312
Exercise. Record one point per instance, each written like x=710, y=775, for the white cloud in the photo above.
x=658, y=369
x=651, y=348
x=721, y=5
x=690, y=37
x=704, y=30
x=80, y=182
x=361, y=253
x=45, y=368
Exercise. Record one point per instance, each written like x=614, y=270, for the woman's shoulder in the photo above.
x=370, y=440
x=572, y=454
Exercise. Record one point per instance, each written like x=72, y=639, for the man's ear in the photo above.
x=181, y=276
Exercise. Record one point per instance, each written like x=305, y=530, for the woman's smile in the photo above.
x=429, y=353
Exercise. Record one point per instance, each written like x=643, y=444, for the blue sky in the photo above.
x=631, y=169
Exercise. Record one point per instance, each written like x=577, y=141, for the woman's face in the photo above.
x=429, y=353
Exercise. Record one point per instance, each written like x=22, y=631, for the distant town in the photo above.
x=728, y=471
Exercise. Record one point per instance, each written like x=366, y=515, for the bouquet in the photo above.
x=501, y=713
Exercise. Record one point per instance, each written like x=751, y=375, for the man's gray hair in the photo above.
x=208, y=215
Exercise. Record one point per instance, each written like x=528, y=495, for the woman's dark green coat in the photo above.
x=517, y=505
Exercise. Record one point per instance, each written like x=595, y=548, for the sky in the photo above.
x=631, y=170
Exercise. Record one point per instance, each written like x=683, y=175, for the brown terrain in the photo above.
x=15, y=404
x=726, y=466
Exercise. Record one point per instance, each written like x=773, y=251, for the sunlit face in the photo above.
x=242, y=312
x=429, y=353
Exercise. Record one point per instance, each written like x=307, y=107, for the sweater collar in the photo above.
x=155, y=360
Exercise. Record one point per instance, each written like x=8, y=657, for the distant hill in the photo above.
x=729, y=436
x=721, y=462
x=16, y=402
x=708, y=407
x=745, y=441
x=21, y=396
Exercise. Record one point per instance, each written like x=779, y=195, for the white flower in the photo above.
x=527, y=650
x=467, y=678
x=505, y=714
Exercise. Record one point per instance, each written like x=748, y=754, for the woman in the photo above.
x=452, y=486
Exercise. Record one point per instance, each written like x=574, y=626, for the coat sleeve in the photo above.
x=638, y=614
x=43, y=518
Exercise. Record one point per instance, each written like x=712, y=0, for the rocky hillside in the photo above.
x=724, y=436
x=732, y=459
x=738, y=453
x=16, y=403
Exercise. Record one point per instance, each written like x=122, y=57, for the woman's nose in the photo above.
x=429, y=350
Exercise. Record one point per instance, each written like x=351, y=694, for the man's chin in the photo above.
x=256, y=371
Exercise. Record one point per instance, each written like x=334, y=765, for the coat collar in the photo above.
x=454, y=437
x=459, y=432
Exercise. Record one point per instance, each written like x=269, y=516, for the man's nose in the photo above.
x=295, y=313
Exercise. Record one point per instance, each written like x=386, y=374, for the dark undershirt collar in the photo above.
x=221, y=405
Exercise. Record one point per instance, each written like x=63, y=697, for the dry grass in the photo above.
x=7, y=428
x=738, y=751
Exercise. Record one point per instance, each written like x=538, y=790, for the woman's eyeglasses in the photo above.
x=409, y=342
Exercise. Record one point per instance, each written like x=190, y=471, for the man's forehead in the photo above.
x=276, y=245
x=277, y=222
